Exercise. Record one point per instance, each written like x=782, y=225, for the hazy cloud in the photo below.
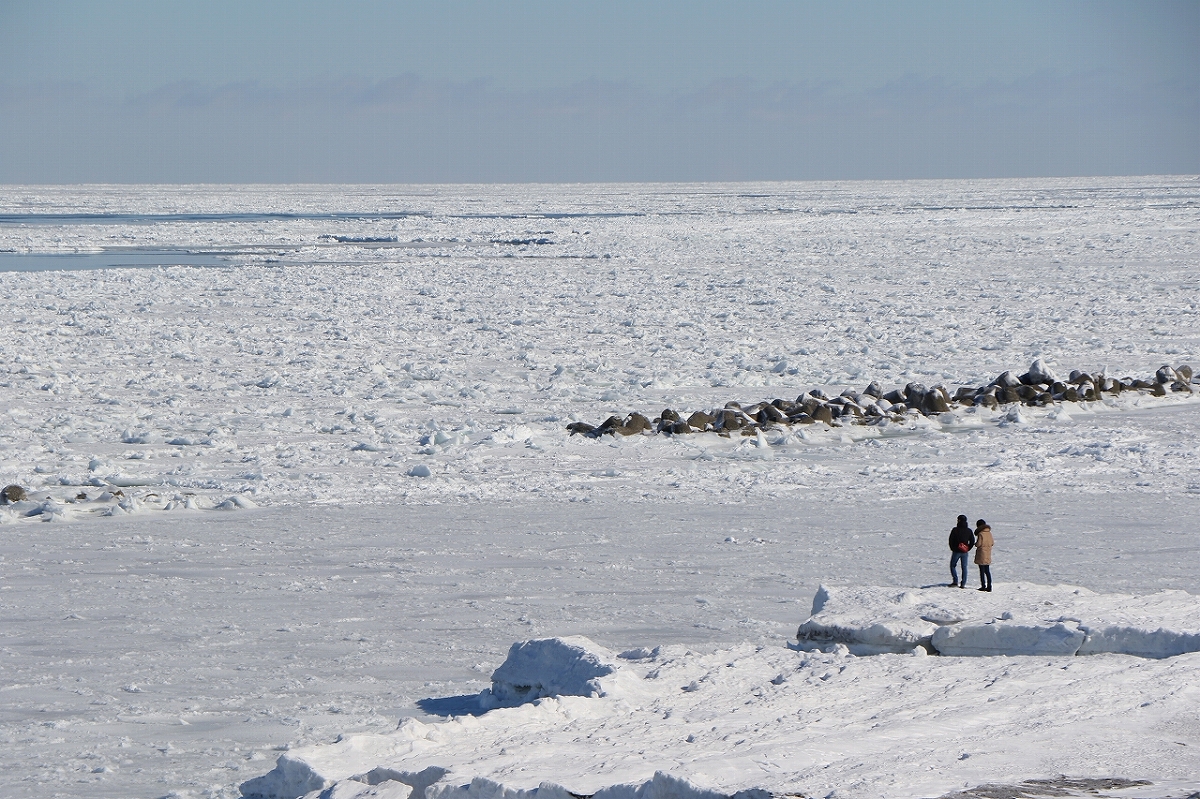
x=412, y=129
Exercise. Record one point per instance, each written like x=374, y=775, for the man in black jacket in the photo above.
x=961, y=541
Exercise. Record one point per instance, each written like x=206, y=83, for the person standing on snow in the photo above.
x=961, y=541
x=983, y=554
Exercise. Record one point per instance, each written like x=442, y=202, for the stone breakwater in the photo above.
x=1039, y=386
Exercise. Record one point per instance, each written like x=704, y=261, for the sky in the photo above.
x=460, y=91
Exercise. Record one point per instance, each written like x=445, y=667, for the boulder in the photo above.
x=608, y=425
x=729, y=419
x=894, y=396
x=1040, y=373
x=1165, y=375
x=769, y=414
x=701, y=421
x=1185, y=372
x=935, y=401
x=12, y=493
x=1007, y=380
x=914, y=394
x=875, y=390
x=823, y=414
x=633, y=424
x=669, y=415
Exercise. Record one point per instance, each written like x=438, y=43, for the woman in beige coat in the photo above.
x=983, y=554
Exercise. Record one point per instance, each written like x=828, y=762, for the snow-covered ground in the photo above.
x=376, y=388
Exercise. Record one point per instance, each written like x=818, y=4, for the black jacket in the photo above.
x=961, y=535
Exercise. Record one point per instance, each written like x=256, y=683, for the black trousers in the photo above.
x=985, y=576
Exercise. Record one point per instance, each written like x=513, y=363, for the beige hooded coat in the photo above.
x=983, y=546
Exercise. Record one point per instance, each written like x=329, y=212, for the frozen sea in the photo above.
x=336, y=417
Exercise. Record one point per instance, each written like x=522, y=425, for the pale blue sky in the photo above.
x=518, y=91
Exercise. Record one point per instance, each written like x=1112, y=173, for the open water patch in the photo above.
x=72, y=262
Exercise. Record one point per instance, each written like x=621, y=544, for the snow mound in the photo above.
x=753, y=721
x=1017, y=619
x=572, y=666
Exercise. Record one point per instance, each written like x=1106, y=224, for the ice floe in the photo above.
x=1015, y=619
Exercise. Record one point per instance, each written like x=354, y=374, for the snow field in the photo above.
x=755, y=717
x=397, y=411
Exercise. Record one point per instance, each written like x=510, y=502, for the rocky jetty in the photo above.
x=1039, y=386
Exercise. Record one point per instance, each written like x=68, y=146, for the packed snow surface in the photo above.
x=327, y=485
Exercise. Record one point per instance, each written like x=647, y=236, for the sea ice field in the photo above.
x=303, y=517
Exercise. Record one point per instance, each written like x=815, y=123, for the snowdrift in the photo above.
x=568, y=718
x=1016, y=619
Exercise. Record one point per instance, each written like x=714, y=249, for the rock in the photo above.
x=634, y=423
x=677, y=428
x=914, y=394
x=1007, y=380
x=1158, y=390
x=729, y=419
x=582, y=428
x=1179, y=385
x=935, y=401
x=1185, y=372
x=894, y=396
x=12, y=493
x=669, y=416
x=823, y=414
x=1027, y=392
x=1165, y=375
x=1071, y=394
x=701, y=421
x=1008, y=394
x=963, y=393
x=608, y=426
x=875, y=390
x=1076, y=376
x=818, y=393
x=769, y=414
x=1040, y=373
x=987, y=401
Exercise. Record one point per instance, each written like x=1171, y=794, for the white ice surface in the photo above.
x=384, y=426
x=1015, y=619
